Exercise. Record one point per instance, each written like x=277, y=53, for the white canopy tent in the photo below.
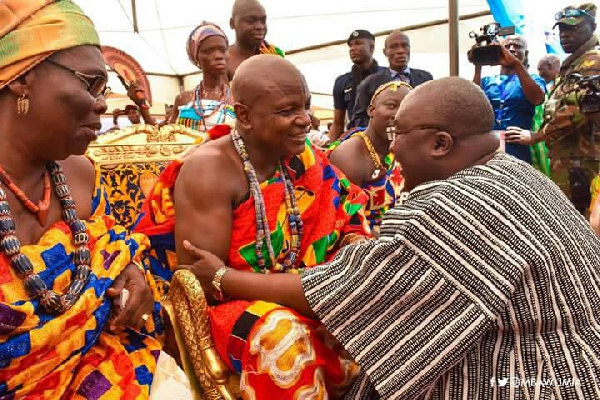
x=299, y=28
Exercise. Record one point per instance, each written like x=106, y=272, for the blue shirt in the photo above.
x=404, y=75
x=511, y=108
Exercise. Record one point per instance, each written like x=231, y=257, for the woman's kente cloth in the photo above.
x=72, y=355
x=279, y=353
x=383, y=191
x=188, y=116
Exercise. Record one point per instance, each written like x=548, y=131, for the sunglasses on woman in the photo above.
x=95, y=84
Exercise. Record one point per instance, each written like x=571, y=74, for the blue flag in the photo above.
x=532, y=20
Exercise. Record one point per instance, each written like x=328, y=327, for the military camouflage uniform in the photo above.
x=569, y=136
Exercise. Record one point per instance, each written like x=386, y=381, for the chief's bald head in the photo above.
x=264, y=75
x=270, y=105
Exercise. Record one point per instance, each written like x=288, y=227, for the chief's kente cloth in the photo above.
x=485, y=285
x=72, y=355
x=304, y=361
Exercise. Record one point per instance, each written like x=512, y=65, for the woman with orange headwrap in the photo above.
x=64, y=263
x=210, y=103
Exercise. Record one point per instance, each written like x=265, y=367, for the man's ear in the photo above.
x=442, y=144
x=242, y=115
x=232, y=23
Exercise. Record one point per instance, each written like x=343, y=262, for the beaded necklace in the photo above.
x=197, y=102
x=263, y=233
x=41, y=209
x=51, y=301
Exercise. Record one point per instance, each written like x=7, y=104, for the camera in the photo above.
x=487, y=50
x=589, y=88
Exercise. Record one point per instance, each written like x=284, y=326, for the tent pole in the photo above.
x=453, y=19
x=134, y=15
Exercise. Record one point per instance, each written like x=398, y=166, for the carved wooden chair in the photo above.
x=188, y=312
x=131, y=160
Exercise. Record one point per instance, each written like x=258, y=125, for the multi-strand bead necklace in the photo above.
x=52, y=302
x=199, y=94
x=263, y=232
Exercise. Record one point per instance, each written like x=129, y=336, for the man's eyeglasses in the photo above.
x=95, y=84
x=573, y=13
x=392, y=132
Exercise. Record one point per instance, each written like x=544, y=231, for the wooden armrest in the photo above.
x=191, y=311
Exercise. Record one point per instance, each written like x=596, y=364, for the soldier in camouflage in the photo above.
x=573, y=143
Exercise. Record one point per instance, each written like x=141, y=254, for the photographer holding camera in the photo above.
x=514, y=93
x=572, y=141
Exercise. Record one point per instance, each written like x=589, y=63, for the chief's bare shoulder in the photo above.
x=209, y=169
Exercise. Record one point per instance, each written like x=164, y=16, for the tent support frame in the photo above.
x=453, y=20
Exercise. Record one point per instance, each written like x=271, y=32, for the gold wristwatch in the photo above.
x=216, y=284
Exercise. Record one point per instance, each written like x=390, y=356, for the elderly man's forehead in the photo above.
x=397, y=36
x=269, y=90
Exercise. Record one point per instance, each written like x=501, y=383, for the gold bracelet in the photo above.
x=216, y=284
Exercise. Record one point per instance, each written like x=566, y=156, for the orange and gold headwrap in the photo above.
x=32, y=30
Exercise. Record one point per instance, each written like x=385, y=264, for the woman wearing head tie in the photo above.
x=210, y=103
x=63, y=261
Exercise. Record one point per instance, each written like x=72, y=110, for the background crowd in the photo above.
x=413, y=252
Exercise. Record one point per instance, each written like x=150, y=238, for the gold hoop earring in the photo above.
x=22, y=105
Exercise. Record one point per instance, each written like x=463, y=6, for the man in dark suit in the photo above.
x=397, y=51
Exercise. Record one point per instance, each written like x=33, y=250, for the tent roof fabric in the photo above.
x=164, y=25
